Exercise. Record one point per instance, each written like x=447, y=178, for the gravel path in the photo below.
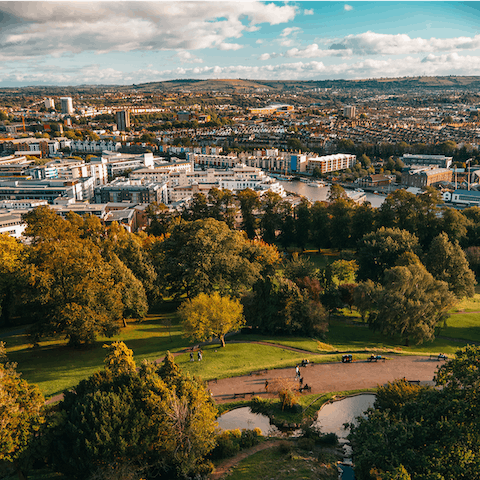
x=332, y=377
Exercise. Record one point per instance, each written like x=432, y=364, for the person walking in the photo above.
x=199, y=355
x=297, y=373
x=191, y=356
x=266, y=385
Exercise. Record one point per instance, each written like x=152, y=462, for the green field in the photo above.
x=54, y=367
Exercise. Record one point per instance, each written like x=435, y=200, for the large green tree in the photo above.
x=424, y=433
x=206, y=255
x=249, y=203
x=154, y=418
x=211, y=316
x=446, y=261
x=381, y=249
x=410, y=303
x=20, y=416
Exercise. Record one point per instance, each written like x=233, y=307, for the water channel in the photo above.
x=330, y=419
x=321, y=193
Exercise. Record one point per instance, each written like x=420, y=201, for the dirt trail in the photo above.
x=227, y=464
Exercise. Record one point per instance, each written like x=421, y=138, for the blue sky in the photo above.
x=74, y=43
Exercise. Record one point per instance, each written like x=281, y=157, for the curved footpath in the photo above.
x=332, y=377
x=321, y=377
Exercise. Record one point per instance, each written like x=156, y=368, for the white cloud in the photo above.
x=187, y=57
x=230, y=46
x=57, y=28
x=289, y=30
x=264, y=56
x=371, y=43
x=308, y=12
x=259, y=41
x=347, y=8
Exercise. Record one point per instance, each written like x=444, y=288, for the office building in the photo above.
x=349, y=111
x=49, y=103
x=123, y=120
x=67, y=105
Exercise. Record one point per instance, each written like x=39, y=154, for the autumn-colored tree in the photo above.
x=211, y=316
x=20, y=415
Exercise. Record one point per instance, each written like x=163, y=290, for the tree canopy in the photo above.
x=211, y=316
x=155, y=419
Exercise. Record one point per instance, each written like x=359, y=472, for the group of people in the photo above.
x=199, y=355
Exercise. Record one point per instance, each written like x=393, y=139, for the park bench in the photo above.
x=375, y=358
x=347, y=358
x=242, y=395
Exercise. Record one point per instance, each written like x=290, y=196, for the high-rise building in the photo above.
x=123, y=120
x=67, y=105
x=349, y=111
x=49, y=103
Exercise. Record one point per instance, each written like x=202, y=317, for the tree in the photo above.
x=269, y=223
x=446, y=261
x=20, y=415
x=154, y=418
x=277, y=305
x=74, y=292
x=421, y=432
x=420, y=301
x=249, y=202
x=302, y=223
x=380, y=250
x=205, y=255
x=211, y=316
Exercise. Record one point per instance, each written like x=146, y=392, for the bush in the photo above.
x=288, y=399
x=328, y=439
x=250, y=438
x=285, y=447
x=306, y=443
x=260, y=405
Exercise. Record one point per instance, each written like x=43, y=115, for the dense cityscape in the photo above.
x=239, y=240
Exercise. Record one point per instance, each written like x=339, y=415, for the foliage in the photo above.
x=380, y=250
x=278, y=306
x=420, y=301
x=207, y=316
x=205, y=255
x=395, y=395
x=156, y=418
x=433, y=434
x=20, y=415
x=230, y=442
x=249, y=202
x=446, y=261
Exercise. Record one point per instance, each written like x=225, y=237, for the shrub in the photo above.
x=285, y=447
x=249, y=438
x=288, y=399
x=306, y=443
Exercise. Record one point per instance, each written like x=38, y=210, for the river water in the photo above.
x=321, y=193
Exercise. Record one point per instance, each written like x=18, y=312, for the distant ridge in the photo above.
x=239, y=86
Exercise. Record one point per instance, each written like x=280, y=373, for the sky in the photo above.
x=123, y=43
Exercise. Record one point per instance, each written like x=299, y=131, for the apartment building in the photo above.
x=440, y=160
x=160, y=171
x=66, y=104
x=134, y=191
x=331, y=163
x=417, y=176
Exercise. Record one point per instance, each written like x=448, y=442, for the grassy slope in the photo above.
x=297, y=464
x=54, y=367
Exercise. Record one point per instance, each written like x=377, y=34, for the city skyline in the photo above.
x=75, y=43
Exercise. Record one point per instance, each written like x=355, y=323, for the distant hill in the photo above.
x=239, y=86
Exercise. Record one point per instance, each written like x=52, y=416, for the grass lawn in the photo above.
x=239, y=359
x=469, y=304
x=463, y=325
x=287, y=462
x=54, y=367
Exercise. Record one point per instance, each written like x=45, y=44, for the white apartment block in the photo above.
x=49, y=103
x=92, y=146
x=331, y=163
x=67, y=105
x=160, y=171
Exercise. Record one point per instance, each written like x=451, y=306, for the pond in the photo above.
x=332, y=416
x=243, y=417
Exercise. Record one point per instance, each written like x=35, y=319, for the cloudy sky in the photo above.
x=73, y=43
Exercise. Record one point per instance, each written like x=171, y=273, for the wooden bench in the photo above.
x=375, y=358
x=242, y=395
